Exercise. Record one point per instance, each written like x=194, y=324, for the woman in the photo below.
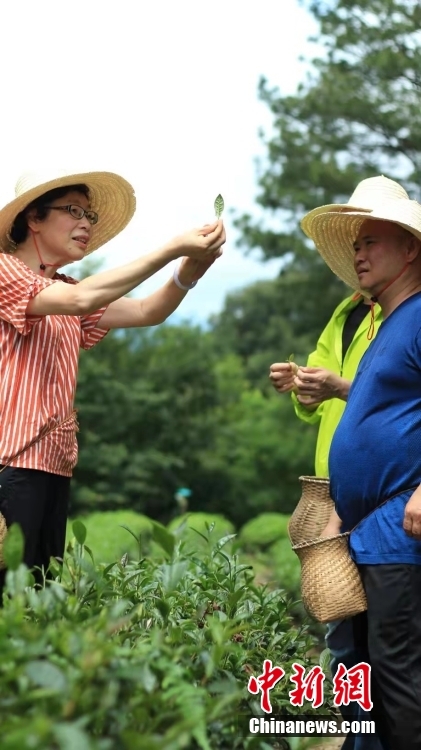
x=45, y=317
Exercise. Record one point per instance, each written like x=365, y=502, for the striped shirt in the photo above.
x=38, y=370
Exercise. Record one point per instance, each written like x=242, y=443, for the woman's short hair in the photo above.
x=19, y=230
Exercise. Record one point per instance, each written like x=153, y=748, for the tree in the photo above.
x=143, y=396
x=161, y=409
x=356, y=115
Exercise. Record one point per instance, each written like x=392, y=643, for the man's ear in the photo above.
x=413, y=248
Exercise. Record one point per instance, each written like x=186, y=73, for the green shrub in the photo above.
x=139, y=656
x=207, y=524
x=286, y=566
x=108, y=540
x=263, y=530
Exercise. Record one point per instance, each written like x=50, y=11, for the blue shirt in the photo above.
x=376, y=449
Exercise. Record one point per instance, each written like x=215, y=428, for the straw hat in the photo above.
x=334, y=228
x=111, y=196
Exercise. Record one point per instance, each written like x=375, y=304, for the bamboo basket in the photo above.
x=331, y=586
x=312, y=511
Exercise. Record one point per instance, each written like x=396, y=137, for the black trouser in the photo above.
x=38, y=502
x=391, y=630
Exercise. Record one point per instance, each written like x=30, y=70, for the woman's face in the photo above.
x=60, y=237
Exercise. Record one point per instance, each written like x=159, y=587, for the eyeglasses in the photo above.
x=77, y=212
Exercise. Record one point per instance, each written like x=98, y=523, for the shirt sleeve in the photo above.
x=90, y=334
x=18, y=285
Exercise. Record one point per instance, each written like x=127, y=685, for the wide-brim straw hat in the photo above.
x=111, y=196
x=335, y=227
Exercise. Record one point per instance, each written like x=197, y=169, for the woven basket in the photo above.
x=331, y=587
x=312, y=511
x=3, y=532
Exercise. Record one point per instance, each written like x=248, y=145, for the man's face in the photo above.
x=380, y=254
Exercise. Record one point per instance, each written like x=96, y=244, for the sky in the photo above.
x=163, y=92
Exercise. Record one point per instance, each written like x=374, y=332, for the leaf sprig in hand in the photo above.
x=294, y=367
x=219, y=206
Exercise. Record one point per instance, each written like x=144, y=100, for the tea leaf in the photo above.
x=79, y=530
x=46, y=675
x=324, y=660
x=13, y=547
x=164, y=538
x=219, y=206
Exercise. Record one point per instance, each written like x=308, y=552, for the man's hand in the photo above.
x=192, y=269
x=315, y=385
x=281, y=375
x=412, y=517
x=333, y=527
x=201, y=244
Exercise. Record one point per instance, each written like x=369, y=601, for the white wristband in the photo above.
x=178, y=283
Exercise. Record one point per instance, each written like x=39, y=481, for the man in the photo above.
x=45, y=317
x=373, y=243
x=321, y=394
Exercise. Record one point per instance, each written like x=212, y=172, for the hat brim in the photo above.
x=334, y=234
x=111, y=196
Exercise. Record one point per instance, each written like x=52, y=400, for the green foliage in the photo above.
x=197, y=528
x=13, y=547
x=356, y=115
x=264, y=530
x=285, y=566
x=149, y=427
x=148, y=654
x=108, y=535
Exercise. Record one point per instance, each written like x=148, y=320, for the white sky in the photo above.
x=163, y=92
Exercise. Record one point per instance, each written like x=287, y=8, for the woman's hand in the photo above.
x=200, y=244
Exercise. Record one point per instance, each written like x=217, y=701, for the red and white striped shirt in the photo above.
x=38, y=370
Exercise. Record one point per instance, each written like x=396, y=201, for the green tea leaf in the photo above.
x=46, y=675
x=71, y=737
x=324, y=660
x=13, y=547
x=164, y=538
x=219, y=206
x=79, y=530
x=291, y=358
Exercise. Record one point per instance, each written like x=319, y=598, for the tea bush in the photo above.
x=199, y=529
x=264, y=530
x=285, y=566
x=141, y=655
x=108, y=538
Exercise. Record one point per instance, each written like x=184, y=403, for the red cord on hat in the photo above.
x=373, y=300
